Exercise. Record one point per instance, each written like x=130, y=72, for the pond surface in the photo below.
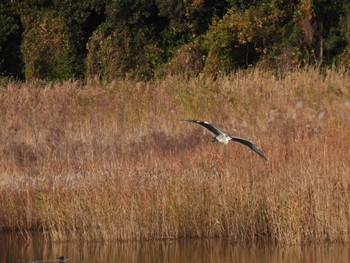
x=13, y=248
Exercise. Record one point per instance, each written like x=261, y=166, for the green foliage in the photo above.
x=329, y=41
x=120, y=53
x=344, y=57
x=188, y=61
x=277, y=34
x=291, y=45
x=10, y=37
x=55, y=37
x=187, y=19
x=127, y=44
x=122, y=38
x=59, y=30
x=240, y=38
x=137, y=39
x=49, y=49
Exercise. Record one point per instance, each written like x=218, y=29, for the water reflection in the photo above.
x=13, y=248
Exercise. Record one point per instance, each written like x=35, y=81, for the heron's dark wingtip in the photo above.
x=189, y=120
x=262, y=156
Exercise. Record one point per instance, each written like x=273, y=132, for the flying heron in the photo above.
x=220, y=136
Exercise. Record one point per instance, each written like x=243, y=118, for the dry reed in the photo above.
x=114, y=162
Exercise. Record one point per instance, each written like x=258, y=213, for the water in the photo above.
x=13, y=248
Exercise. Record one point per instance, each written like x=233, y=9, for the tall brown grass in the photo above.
x=114, y=161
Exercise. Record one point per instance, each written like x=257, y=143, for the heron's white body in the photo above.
x=223, y=138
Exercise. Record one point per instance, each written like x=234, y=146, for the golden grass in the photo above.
x=114, y=162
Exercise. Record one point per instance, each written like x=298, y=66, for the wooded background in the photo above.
x=108, y=39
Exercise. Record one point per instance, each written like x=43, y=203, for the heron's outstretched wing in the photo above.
x=250, y=145
x=207, y=125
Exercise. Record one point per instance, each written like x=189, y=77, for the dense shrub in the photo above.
x=127, y=43
x=48, y=48
x=344, y=57
x=241, y=37
x=55, y=36
x=122, y=38
x=188, y=61
x=10, y=37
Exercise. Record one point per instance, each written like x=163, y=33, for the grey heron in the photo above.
x=222, y=137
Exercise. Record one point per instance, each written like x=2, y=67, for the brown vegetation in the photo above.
x=113, y=161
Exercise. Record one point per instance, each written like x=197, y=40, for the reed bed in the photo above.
x=114, y=162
